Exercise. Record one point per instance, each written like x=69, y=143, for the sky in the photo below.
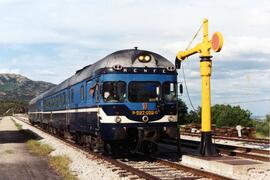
x=49, y=40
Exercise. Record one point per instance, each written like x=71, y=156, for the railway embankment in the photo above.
x=16, y=162
x=84, y=166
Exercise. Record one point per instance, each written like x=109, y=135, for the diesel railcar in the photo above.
x=127, y=99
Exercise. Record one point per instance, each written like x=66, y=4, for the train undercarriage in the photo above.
x=138, y=140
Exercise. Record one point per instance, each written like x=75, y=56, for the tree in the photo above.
x=10, y=107
x=222, y=115
x=194, y=116
x=263, y=128
x=182, y=111
x=226, y=115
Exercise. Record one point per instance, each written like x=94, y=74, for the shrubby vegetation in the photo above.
x=224, y=116
x=231, y=116
x=182, y=112
x=263, y=127
x=10, y=107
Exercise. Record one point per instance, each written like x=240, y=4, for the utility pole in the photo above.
x=206, y=146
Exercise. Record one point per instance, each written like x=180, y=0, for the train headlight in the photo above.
x=117, y=119
x=144, y=58
x=147, y=58
x=172, y=119
x=141, y=58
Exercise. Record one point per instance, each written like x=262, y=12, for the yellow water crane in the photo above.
x=203, y=48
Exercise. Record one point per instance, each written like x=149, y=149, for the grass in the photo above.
x=9, y=151
x=38, y=148
x=19, y=126
x=261, y=135
x=61, y=165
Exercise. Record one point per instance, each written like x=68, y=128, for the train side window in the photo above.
x=72, y=96
x=59, y=100
x=97, y=93
x=82, y=92
x=92, y=90
x=64, y=99
x=54, y=102
x=67, y=97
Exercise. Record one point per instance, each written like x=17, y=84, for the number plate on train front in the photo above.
x=148, y=113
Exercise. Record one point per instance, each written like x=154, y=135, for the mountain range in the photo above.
x=20, y=88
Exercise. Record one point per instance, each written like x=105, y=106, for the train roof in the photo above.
x=126, y=58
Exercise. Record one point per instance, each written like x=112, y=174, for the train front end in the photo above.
x=138, y=106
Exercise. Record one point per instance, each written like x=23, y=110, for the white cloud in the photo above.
x=79, y=32
x=11, y=71
x=235, y=46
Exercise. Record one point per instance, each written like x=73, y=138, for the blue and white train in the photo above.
x=127, y=99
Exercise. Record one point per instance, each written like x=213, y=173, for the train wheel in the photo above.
x=149, y=147
x=132, y=146
x=179, y=147
x=79, y=139
x=108, y=149
x=54, y=131
x=97, y=144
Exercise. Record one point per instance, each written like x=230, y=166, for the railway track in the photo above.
x=250, y=140
x=137, y=168
x=256, y=154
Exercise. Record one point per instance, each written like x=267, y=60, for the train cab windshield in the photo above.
x=114, y=91
x=143, y=91
x=169, y=91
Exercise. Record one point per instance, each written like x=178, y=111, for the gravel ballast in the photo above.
x=85, y=166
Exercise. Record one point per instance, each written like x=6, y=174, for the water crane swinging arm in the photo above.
x=204, y=47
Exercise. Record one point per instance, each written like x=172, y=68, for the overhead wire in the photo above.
x=251, y=101
x=183, y=71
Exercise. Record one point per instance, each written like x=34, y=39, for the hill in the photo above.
x=14, y=87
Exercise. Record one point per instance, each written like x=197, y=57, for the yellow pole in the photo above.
x=205, y=67
x=206, y=146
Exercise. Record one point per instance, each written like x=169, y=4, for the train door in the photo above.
x=67, y=110
x=41, y=111
x=39, y=115
x=92, y=102
x=97, y=100
x=71, y=111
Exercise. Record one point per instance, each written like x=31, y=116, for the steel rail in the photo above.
x=123, y=166
x=252, y=140
x=193, y=170
x=231, y=150
x=119, y=164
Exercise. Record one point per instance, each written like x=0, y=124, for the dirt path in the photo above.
x=15, y=160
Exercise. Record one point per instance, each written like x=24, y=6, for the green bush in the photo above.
x=221, y=115
x=227, y=115
x=263, y=128
x=7, y=108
